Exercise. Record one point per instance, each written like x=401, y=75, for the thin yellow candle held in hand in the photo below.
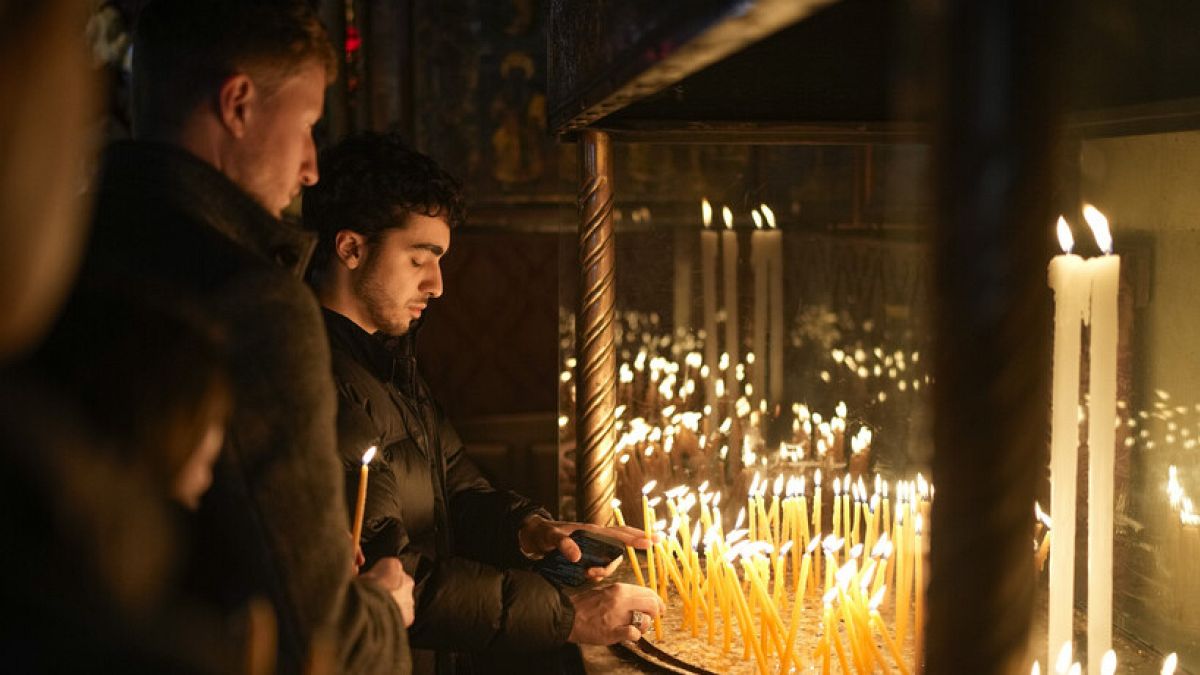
x=633, y=559
x=361, y=504
x=651, y=571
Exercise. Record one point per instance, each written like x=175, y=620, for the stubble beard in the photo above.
x=383, y=311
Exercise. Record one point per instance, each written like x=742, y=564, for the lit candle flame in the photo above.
x=1099, y=224
x=1108, y=664
x=768, y=214
x=1064, y=659
x=1042, y=515
x=368, y=455
x=758, y=221
x=1065, y=240
x=877, y=599
x=648, y=487
x=1170, y=664
x=1036, y=669
x=706, y=212
x=727, y=216
x=616, y=503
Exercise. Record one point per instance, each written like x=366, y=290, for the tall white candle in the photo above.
x=759, y=263
x=774, y=253
x=681, y=317
x=708, y=279
x=729, y=260
x=1068, y=281
x=1105, y=272
x=766, y=253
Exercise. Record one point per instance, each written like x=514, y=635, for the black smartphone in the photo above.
x=598, y=551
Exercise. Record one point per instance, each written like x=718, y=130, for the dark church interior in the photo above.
x=599, y=336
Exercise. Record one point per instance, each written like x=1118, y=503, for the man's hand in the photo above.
x=539, y=536
x=389, y=574
x=604, y=616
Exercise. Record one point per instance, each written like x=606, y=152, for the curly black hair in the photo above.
x=371, y=182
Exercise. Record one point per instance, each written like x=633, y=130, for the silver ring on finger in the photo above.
x=637, y=619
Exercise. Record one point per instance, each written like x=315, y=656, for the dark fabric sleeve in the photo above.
x=464, y=605
x=282, y=441
x=461, y=605
x=485, y=520
x=383, y=531
x=369, y=645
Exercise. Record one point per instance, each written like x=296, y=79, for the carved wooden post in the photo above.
x=595, y=479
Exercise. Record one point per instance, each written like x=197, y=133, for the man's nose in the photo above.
x=433, y=282
x=309, y=175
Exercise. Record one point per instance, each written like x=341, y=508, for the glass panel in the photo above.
x=1144, y=185
x=771, y=327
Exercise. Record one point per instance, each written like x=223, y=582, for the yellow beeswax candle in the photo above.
x=361, y=503
x=633, y=559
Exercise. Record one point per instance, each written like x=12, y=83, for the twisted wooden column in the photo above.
x=596, y=374
x=991, y=363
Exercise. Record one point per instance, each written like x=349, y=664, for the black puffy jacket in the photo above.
x=428, y=504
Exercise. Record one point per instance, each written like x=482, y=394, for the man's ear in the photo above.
x=350, y=247
x=234, y=101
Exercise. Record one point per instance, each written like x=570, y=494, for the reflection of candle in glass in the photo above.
x=708, y=280
x=729, y=260
x=361, y=504
x=1068, y=281
x=1105, y=274
x=766, y=257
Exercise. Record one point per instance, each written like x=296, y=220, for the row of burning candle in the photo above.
x=1066, y=665
x=870, y=548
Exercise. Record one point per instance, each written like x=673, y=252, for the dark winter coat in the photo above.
x=274, y=522
x=428, y=504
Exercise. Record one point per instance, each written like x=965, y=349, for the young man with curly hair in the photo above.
x=383, y=214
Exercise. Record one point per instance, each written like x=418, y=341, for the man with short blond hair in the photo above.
x=225, y=96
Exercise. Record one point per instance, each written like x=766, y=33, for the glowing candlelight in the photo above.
x=1063, y=663
x=1105, y=274
x=1170, y=664
x=729, y=261
x=1108, y=664
x=1068, y=279
x=708, y=270
x=361, y=503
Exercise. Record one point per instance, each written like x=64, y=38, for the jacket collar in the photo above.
x=388, y=358
x=200, y=190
